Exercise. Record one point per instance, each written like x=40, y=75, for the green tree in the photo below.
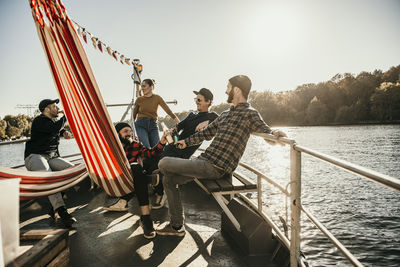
x=316, y=112
x=3, y=127
x=13, y=131
x=392, y=75
x=344, y=115
x=220, y=108
x=386, y=102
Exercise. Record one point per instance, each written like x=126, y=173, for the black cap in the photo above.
x=205, y=92
x=242, y=82
x=121, y=125
x=45, y=102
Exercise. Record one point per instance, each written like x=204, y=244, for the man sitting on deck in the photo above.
x=231, y=131
x=192, y=123
x=133, y=151
x=41, y=151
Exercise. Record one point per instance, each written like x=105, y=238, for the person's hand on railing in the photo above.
x=278, y=134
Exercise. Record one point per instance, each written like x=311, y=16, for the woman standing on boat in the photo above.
x=145, y=114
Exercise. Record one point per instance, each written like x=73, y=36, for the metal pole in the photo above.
x=295, y=205
x=259, y=193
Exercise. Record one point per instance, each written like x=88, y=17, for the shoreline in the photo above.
x=24, y=139
x=339, y=124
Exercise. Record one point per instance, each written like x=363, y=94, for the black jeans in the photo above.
x=140, y=181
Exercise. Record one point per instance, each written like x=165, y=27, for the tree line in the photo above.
x=15, y=126
x=344, y=99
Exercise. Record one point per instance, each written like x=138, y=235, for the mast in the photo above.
x=137, y=70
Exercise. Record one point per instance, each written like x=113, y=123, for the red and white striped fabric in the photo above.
x=83, y=104
x=38, y=184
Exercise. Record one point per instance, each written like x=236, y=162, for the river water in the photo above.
x=362, y=215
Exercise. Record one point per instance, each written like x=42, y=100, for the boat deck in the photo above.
x=103, y=238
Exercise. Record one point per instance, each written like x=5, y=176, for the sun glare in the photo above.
x=275, y=27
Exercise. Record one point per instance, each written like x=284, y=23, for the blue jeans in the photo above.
x=181, y=171
x=147, y=131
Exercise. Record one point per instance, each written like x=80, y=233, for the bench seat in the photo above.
x=227, y=185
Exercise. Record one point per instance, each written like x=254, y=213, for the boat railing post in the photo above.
x=259, y=193
x=295, y=205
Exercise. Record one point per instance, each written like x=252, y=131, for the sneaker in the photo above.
x=147, y=225
x=66, y=218
x=169, y=230
x=153, y=179
x=120, y=205
x=159, y=202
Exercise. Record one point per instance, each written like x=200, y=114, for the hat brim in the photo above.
x=47, y=102
x=196, y=93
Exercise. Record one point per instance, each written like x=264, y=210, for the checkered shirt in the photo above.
x=231, y=131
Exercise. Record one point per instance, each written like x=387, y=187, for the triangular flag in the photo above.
x=109, y=50
x=94, y=41
x=84, y=35
x=114, y=54
x=100, y=46
x=122, y=59
x=80, y=31
x=128, y=61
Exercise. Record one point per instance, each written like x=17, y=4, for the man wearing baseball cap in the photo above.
x=41, y=151
x=229, y=133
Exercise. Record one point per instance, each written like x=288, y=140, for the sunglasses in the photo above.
x=198, y=100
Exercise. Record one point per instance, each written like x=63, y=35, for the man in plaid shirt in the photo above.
x=136, y=151
x=231, y=131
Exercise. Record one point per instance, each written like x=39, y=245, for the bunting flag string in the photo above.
x=98, y=44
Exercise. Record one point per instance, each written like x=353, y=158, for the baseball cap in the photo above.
x=45, y=102
x=205, y=92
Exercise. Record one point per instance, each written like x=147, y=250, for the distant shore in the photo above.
x=24, y=139
x=341, y=124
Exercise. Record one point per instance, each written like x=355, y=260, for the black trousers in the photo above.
x=140, y=183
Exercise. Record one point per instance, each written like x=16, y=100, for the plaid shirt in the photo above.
x=136, y=149
x=231, y=131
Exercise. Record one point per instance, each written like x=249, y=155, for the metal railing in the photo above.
x=295, y=195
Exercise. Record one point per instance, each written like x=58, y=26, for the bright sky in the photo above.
x=185, y=45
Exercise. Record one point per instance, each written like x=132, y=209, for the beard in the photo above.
x=124, y=140
x=54, y=115
x=230, y=96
